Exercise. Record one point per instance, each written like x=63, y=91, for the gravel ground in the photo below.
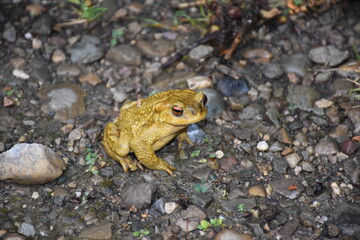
x=276, y=158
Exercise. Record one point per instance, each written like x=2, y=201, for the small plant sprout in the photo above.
x=214, y=222
x=241, y=208
x=86, y=11
x=115, y=35
x=205, y=184
x=195, y=153
x=91, y=159
x=141, y=233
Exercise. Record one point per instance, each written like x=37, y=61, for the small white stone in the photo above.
x=28, y=35
x=262, y=146
x=36, y=43
x=170, y=207
x=219, y=154
x=292, y=159
x=20, y=74
x=335, y=188
x=35, y=195
x=297, y=170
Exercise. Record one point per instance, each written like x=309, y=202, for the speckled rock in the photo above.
x=328, y=55
x=302, y=97
x=288, y=187
x=65, y=100
x=157, y=48
x=326, y=147
x=190, y=218
x=124, y=54
x=296, y=63
x=85, y=52
x=99, y=231
x=30, y=164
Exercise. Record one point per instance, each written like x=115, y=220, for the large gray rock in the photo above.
x=27, y=163
x=139, y=195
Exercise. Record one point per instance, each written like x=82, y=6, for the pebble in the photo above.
x=328, y=55
x=170, y=207
x=335, y=188
x=288, y=229
x=273, y=70
x=68, y=70
x=354, y=115
x=199, y=52
x=35, y=195
x=85, y=52
x=341, y=87
x=58, y=56
x=257, y=191
x=215, y=104
x=42, y=25
x=289, y=188
x=276, y=147
x=333, y=230
x=284, y=136
x=292, y=159
x=91, y=78
x=9, y=33
x=157, y=48
x=297, y=63
x=302, y=97
x=75, y=134
x=326, y=147
x=196, y=134
x=231, y=234
x=258, y=55
x=41, y=73
x=18, y=63
x=66, y=100
x=27, y=229
x=307, y=167
x=339, y=131
x=98, y=231
x=138, y=194
x=124, y=54
x=32, y=163
x=199, y=82
x=349, y=147
x=230, y=87
x=20, y=74
x=307, y=219
x=262, y=146
x=190, y=218
x=253, y=111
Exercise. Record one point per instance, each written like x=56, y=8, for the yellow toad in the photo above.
x=146, y=125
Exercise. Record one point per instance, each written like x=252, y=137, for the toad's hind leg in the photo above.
x=116, y=144
x=146, y=155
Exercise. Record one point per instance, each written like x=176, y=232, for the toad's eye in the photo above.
x=177, y=111
x=204, y=100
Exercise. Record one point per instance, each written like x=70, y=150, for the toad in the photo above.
x=146, y=125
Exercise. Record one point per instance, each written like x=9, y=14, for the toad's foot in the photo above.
x=161, y=165
x=127, y=163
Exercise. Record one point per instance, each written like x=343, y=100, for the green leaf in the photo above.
x=195, y=153
x=136, y=234
x=117, y=33
x=113, y=42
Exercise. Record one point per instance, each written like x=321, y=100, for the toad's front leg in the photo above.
x=145, y=153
